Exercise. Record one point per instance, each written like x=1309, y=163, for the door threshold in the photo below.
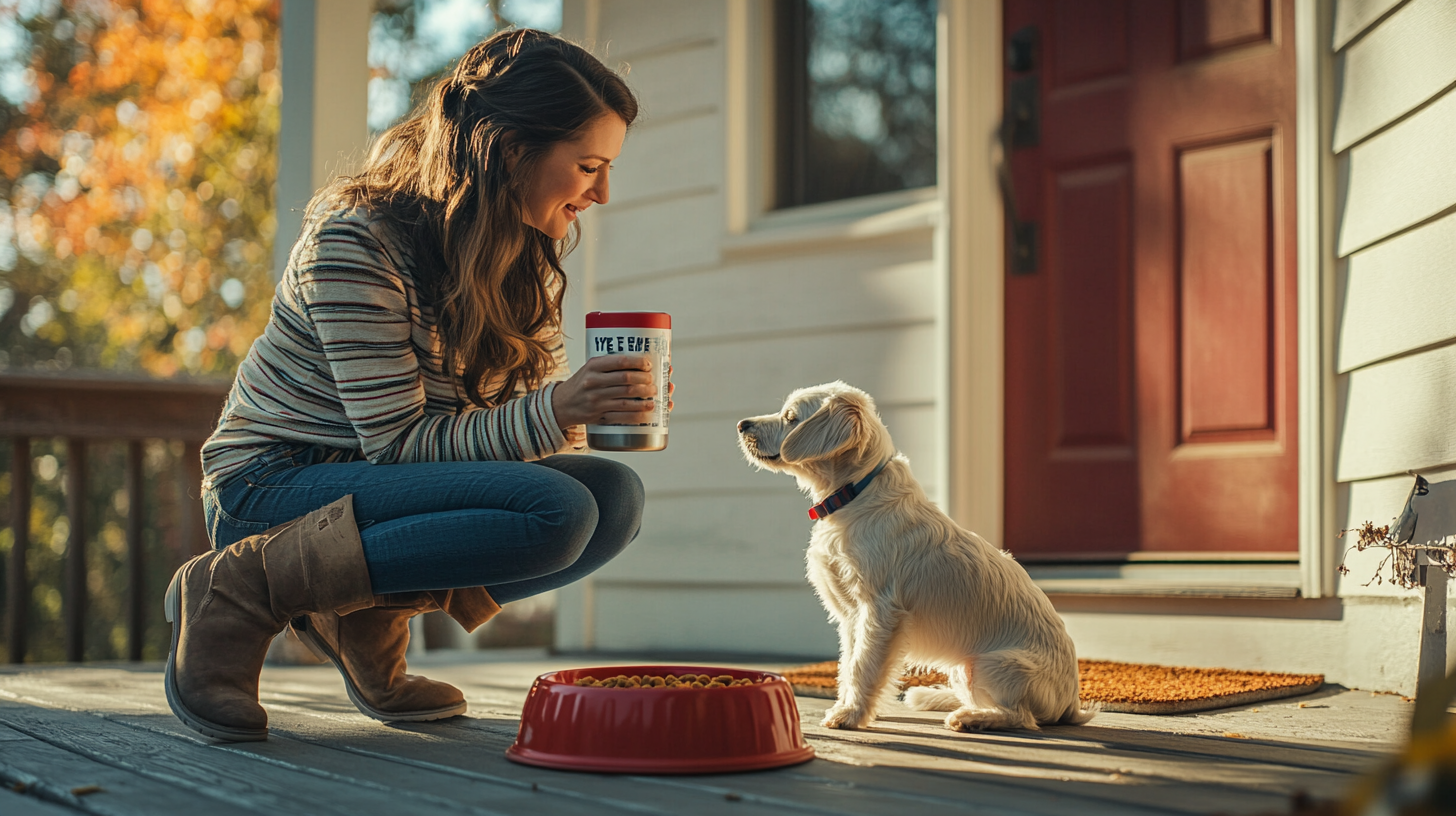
x=1191, y=578
x=1291, y=557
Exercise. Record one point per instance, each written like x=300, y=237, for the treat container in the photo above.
x=645, y=333
x=659, y=730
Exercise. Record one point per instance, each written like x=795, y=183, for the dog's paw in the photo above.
x=844, y=717
x=990, y=719
x=956, y=722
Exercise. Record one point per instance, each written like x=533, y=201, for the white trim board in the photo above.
x=324, y=114
x=974, y=335
x=1314, y=295
x=1364, y=642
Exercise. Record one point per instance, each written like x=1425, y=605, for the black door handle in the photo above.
x=1020, y=127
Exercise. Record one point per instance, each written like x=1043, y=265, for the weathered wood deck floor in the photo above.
x=102, y=740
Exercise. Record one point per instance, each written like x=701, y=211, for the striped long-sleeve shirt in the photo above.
x=350, y=360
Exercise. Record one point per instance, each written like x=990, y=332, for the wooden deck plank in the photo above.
x=884, y=790
x=52, y=773
x=1333, y=757
x=405, y=782
x=1096, y=752
x=211, y=771
x=1112, y=791
x=805, y=787
x=924, y=788
x=19, y=804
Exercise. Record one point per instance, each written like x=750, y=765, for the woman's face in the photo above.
x=573, y=176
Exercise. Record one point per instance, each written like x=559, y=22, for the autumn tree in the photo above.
x=137, y=157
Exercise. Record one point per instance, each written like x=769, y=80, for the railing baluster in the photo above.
x=80, y=408
x=194, y=528
x=136, y=621
x=18, y=585
x=75, y=596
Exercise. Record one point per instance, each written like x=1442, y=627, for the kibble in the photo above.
x=669, y=681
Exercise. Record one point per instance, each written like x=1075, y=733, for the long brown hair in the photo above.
x=439, y=179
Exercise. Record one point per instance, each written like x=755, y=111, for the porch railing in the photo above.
x=83, y=410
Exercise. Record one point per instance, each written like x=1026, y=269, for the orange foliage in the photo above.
x=140, y=188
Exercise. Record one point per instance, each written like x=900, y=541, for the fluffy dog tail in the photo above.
x=1079, y=714
x=924, y=698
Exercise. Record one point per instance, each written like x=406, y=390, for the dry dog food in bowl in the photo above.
x=622, y=681
x=749, y=722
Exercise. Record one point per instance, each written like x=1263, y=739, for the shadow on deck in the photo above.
x=100, y=739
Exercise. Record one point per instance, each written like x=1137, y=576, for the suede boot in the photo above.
x=226, y=605
x=368, y=647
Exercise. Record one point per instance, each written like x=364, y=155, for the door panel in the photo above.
x=1209, y=26
x=1092, y=215
x=1226, y=286
x=1093, y=41
x=1149, y=358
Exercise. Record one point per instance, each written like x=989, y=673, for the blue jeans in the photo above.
x=516, y=528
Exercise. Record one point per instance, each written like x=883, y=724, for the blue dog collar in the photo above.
x=845, y=495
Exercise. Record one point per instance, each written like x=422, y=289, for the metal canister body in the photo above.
x=644, y=333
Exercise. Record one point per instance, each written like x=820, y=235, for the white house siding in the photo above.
x=1395, y=114
x=759, y=312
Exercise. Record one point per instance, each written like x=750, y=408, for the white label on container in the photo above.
x=653, y=343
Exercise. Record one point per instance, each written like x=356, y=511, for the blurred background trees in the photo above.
x=137, y=139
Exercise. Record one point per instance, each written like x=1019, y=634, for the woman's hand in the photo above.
x=613, y=389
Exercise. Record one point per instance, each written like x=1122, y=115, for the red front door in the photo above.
x=1150, y=323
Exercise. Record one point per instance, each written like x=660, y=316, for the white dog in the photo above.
x=903, y=582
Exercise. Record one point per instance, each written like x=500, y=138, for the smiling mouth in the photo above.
x=572, y=210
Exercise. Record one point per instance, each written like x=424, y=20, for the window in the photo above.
x=855, y=113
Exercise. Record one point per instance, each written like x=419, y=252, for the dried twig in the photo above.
x=1401, y=556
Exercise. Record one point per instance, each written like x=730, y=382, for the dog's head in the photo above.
x=822, y=435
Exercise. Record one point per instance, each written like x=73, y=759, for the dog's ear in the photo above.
x=838, y=424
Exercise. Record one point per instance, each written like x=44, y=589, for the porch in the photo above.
x=100, y=739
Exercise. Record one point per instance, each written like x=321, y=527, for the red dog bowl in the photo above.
x=659, y=730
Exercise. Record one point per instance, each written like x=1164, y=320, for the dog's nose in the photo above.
x=744, y=425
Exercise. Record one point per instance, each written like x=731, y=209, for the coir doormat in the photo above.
x=1132, y=688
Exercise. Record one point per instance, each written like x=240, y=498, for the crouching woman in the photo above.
x=390, y=444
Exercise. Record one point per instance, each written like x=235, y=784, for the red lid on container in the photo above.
x=629, y=320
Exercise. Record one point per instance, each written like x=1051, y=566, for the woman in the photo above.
x=388, y=445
